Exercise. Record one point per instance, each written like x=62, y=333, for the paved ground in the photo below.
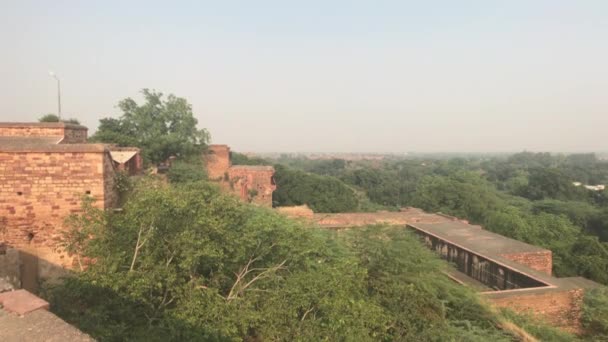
x=38, y=326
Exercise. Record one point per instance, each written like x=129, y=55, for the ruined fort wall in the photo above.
x=74, y=135
x=33, y=131
x=38, y=190
x=540, y=261
x=254, y=184
x=71, y=133
x=560, y=308
x=217, y=160
x=110, y=195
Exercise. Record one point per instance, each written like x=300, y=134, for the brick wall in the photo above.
x=71, y=133
x=74, y=134
x=217, y=160
x=38, y=189
x=253, y=183
x=540, y=261
x=559, y=308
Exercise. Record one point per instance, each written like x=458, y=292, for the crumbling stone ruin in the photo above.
x=45, y=170
x=507, y=272
x=252, y=183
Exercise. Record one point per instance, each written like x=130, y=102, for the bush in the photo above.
x=182, y=171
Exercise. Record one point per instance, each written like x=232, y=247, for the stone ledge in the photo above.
x=22, y=302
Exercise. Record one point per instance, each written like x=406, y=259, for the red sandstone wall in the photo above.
x=39, y=189
x=540, y=261
x=71, y=134
x=217, y=160
x=296, y=211
x=562, y=309
x=74, y=135
x=244, y=180
x=33, y=131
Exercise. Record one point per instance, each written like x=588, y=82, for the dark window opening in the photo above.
x=88, y=192
x=30, y=236
x=19, y=193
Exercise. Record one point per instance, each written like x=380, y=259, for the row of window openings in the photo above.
x=19, y=193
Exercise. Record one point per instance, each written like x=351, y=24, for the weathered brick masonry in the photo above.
x=540, y=261
x=252, y=183
x=41, y=187
x=67, y=133
x=46, y=169
x=561, y=308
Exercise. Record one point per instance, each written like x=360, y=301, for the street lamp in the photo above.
x=53, y=75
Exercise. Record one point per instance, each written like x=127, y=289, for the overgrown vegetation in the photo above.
x=186, y=263
x=595, y=314
x=185, y=171
x=55, y=118
x=323, y=194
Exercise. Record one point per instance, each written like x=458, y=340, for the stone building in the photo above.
x=45, y=171
x=252, y=183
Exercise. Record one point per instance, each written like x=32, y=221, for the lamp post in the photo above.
x=53, y=75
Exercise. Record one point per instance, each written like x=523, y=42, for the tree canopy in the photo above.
x=185, y=262
x=161, y=127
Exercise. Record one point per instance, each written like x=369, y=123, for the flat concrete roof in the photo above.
x=13, y=145
x=42, y=124
x=38, y=326
x=24, y=317
x=346, y=220
x=28, y=141
x=492, y=246
x=253, y=167
x=476, y=238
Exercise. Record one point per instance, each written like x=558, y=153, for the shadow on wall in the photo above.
x=22, y=268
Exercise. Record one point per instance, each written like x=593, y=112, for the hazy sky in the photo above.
x=371, y=76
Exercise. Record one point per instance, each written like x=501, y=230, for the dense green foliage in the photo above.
x=184, y=262
x=323, y=194
x=160, y=127
x=185, y=171
x=595, y=314
x=527, y=196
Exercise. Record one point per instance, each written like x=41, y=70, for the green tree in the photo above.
x=160, y=127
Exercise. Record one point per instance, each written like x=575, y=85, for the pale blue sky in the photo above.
x=370, y=76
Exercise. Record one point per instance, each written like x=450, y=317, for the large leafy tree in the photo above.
x=161, y=127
